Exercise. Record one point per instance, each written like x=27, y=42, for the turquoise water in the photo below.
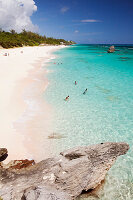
x=104, y=113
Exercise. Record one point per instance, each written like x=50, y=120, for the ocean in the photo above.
x=104, y=113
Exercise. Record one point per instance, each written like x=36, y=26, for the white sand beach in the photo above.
x=25, y=117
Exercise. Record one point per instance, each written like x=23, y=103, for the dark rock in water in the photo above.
x=124, y=58
x=111, y=49
x=3, y=154
x=63, y=177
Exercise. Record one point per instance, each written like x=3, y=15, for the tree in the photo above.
x=12, y=31
x=24, y=32
x=44, y=37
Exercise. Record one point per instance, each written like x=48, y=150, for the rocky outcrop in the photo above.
x=111, y=49
x=63, y=177
x=19, y=164
x=3, y=154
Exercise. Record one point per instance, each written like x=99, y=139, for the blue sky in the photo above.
x=86, y=21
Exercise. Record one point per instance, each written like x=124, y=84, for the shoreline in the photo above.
x=26, y=118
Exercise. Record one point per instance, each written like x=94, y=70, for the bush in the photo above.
x=26, y=38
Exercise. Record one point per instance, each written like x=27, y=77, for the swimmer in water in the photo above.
x=85, y=91
x=67, y=98
x=75, y=82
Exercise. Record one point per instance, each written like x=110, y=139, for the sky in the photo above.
x=83, y=21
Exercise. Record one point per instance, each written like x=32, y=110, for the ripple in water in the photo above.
x=104, y=114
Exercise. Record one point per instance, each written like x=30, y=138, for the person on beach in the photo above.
x=75, y=82
x=85, y=91
x=67, y=98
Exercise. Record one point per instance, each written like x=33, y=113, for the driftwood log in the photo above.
x=63, y=177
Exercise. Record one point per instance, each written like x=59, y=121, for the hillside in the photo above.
x=27, y=38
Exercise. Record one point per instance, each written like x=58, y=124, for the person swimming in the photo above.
x=75, y=82
x=67, y=98
x=85, y=91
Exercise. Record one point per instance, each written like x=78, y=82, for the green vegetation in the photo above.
x=27, y=38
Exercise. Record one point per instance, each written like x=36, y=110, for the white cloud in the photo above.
x=15, y=14
x=64, y=9
x=89, y=20
x=76, y=31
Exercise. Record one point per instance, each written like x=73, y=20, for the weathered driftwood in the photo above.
x=63, y=177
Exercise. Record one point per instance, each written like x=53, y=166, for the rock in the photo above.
x=56, y=136
x=63, y=177
x=111, y=49
x=1, y=47
x=3, y=154
x=19, y=164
